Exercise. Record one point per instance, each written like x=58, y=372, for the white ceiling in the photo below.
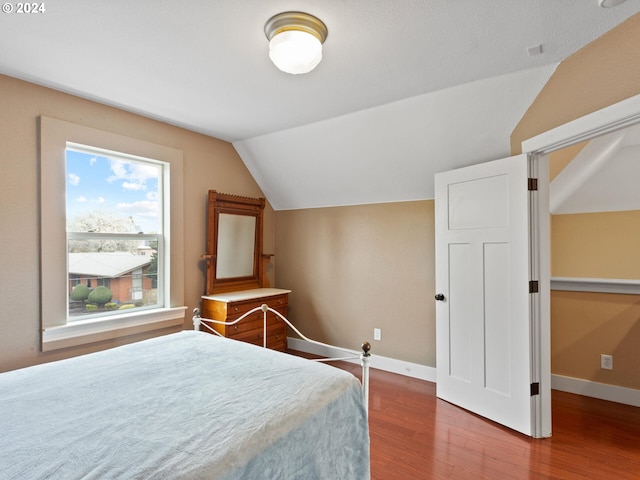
x=405, y=89
x=602, y=177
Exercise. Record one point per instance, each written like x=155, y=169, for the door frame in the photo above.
x=609, y=119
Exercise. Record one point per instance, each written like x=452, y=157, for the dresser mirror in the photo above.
x=234, y=243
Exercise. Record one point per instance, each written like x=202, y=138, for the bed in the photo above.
x=188, y=405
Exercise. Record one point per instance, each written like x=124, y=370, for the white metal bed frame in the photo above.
x=364, y=355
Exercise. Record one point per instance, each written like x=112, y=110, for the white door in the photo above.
x=484, y=314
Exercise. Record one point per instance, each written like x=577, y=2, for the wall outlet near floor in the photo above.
x=377, y=334
x=606, y=362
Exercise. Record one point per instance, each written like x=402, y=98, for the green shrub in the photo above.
x=92, y=308
x=100, y=295
x=126, y=306
x=110, y=306
x=80, y=293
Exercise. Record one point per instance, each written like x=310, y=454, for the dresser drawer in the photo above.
x=251, y=328
x=252, y=322
x=276, y=337
x=236, y=309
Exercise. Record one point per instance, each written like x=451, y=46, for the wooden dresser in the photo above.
x=231, y=305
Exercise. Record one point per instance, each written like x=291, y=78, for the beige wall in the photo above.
x=208, y=164
x=584, y=325
x=596, y=245
x=561, y=158
x=353, y=269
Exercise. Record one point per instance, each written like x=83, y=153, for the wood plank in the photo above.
x=415, y=435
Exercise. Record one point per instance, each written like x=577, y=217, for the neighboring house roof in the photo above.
x=106, y=264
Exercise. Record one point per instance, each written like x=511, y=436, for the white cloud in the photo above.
x=100, y=200
x=74, y=179
x=133, y=186
x=119, y=169
x=81, y=199
x=93, y=160
x=134, y=175
x=139, y=209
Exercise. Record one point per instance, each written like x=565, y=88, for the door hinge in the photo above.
x=532, y=184
x=535, y=389
x=533, y=286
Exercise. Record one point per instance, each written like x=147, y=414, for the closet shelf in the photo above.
x=598, y=285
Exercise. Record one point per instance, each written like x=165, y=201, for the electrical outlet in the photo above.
x=377, y=334
x=606, y=362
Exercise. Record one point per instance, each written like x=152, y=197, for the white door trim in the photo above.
x=540, y=268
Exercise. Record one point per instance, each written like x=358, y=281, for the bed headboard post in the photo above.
x=196, y=319
x=365, y=359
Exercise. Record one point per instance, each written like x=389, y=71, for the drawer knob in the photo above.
x=236, y=309
x=236, y=328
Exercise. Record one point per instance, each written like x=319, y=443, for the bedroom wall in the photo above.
x=584, y=325
x=209, y=163
x=596, y=245
x=369, y=291
x=356, y=268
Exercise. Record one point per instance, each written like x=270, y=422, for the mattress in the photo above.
x=188, y=405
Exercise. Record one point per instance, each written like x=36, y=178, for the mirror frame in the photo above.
x=235, y=205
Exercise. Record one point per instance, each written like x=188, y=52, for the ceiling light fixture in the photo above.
x=295, y=41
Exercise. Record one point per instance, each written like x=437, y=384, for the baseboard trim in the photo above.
x=612, y=393
x=387, y=364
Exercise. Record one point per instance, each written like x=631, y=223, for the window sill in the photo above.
x=82, y=333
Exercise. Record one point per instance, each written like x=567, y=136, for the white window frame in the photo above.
x=56, y=332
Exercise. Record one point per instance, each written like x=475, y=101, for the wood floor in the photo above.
x=416, y=436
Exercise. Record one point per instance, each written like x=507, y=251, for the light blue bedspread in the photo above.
x=188, y=405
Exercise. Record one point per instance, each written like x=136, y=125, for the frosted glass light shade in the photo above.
x=295, y=51
x=295, y=41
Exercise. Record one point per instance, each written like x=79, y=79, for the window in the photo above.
x=111, y=235
x=114, y=215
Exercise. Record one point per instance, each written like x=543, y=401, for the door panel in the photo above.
x=459, y=319
x=496, y=334
x=477, y=204
x=482, y=268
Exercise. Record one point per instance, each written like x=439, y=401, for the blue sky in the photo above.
x=117, y=186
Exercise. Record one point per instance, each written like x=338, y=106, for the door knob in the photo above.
x=440, y=297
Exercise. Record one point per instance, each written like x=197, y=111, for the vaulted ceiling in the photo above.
x=405, y=89
x=601, y=177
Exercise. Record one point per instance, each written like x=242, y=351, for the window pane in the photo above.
x=114, y=230
x=108, y=193
x=106, y=281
